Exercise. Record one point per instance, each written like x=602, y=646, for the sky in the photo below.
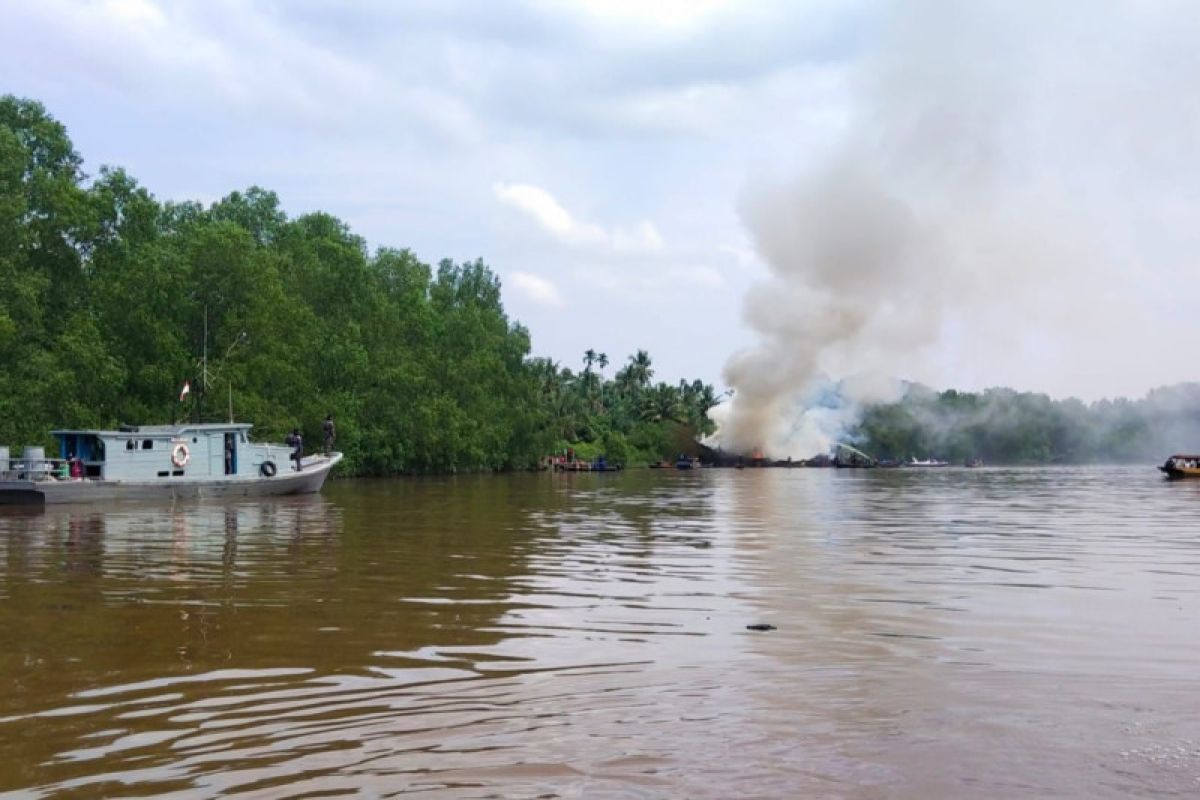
x=764, y=195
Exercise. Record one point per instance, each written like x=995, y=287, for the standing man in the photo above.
x=330, y=433
x=296, y=441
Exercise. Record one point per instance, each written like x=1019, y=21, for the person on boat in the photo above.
x=63, y=472
x=297, y=443
x=330, y=432
x=76, y=466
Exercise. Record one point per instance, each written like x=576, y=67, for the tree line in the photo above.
x=1005, y=426
x=108, y=298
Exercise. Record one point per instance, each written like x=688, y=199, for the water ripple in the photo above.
x=953, y=633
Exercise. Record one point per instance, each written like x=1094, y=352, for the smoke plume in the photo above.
x=1009, y=203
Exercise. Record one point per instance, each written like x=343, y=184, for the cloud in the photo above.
x=542, y=207
x=536, y=289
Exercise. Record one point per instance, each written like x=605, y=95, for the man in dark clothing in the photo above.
x=330, y=433
x=297, y=441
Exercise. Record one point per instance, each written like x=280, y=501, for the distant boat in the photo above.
x=1181, y=466
x=847, y=457
x=973, y=462
x=687, y=463
x=929, y=462
x=151, y=462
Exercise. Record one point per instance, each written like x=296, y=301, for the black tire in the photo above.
x=267, y=469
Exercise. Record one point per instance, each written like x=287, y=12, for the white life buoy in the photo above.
x=180, y=455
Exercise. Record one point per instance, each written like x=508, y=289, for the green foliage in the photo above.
x=1008, y=427
x=626, y=419
x=108, y=298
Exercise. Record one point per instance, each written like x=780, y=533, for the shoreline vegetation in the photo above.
x=1002, y=426
x=109, y=296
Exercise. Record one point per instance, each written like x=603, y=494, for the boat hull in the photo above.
x=52, y=492
x=1180, y=466
x=1176, y=474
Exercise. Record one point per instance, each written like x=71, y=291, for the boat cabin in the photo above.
x=147, y=452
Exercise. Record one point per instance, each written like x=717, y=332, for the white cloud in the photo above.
x=544, y=209
x=536, y=289
x=547, y=212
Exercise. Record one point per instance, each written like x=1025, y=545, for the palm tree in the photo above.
x=661, y=403
x=639, y=368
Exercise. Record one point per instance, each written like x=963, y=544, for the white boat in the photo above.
x=158, y=462
x=929, y=462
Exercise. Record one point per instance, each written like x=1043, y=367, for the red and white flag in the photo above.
x=187, y=387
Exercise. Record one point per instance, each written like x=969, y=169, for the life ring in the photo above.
x=180, y=455
x=267, y=469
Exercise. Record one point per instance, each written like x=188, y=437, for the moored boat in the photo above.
x=150, y=462
x=847, y=457
x=1181, y=466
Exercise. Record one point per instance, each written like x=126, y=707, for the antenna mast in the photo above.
x=204, y=368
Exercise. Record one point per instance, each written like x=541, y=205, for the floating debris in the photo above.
x=760, y=626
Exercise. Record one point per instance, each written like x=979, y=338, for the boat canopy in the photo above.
x=160, y=430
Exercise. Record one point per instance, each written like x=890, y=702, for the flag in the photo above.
x=187, y=387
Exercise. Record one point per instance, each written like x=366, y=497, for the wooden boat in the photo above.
x=847, y=457
x=1181, y=466
x=158, y=462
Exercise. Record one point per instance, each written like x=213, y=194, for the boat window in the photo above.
x=131, y=445
x=177, y=473
x=147, y=444
x=195, y=440
x=163, y=474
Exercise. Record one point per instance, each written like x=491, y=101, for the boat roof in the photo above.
x=160, y=430
x=1183, y=455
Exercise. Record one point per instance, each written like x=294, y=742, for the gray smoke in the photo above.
x=1009, y=204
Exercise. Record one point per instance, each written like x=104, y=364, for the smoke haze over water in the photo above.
x=1012, y=202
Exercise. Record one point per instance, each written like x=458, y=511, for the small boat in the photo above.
x=973, y=462
x=151, y=462
x=687, y=463
x=1181, y=466
x=929, y=462
x=847, y=457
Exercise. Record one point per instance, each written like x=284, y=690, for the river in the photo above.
x=945, y=633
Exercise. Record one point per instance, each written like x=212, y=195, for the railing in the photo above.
x=46, y=469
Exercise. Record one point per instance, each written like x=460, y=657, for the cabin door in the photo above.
x=230, y=454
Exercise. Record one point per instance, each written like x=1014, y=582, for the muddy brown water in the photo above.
x=949, y=633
